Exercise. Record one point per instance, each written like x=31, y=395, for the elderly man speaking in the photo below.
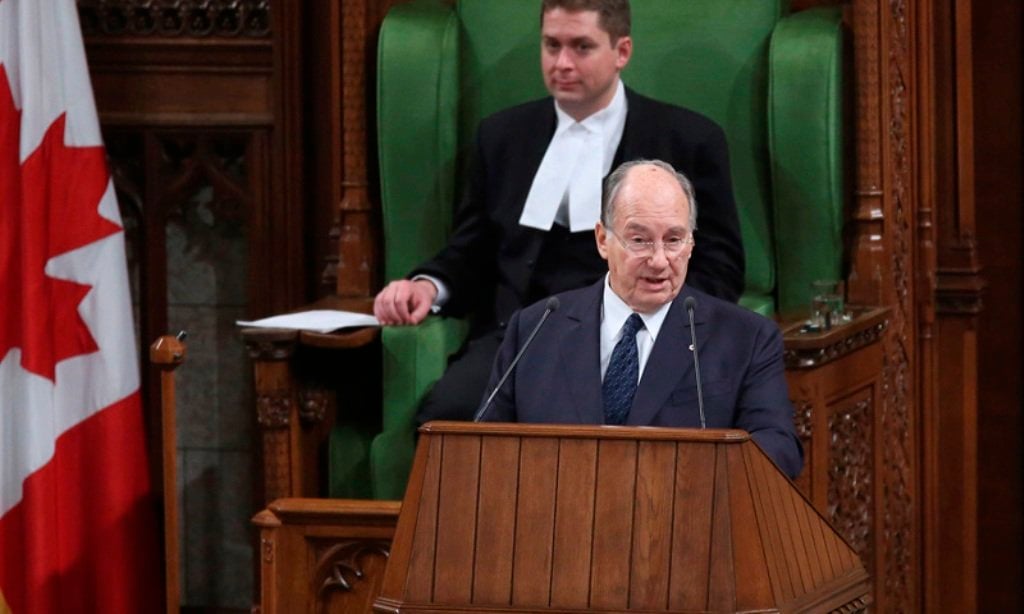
x=621, y=351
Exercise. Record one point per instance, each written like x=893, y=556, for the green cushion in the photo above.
x=414, y=357
x=348, y=460
x=499, y=60
x=417, y=63
x=711, y=56
x=806, y=126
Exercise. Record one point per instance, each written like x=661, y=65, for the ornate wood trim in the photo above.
x=960, y=293
x=267, y=550
x=269, y=344
x=884, y=258
x=313, y=402
x=340, y=566
x=353, y=270
x=859, y=604
x=273, y=410
x=804, y=402
x=277, y=474
x=176, y=18
x=851, y=471
x=324, y=555
x=867, y=266
x=811, y=350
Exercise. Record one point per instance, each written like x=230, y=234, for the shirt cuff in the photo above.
x=442, y=292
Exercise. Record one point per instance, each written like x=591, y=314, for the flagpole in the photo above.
x=168, y=352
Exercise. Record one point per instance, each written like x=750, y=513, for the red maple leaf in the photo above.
x=48, y=206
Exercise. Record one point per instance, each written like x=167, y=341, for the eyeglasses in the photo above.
x=638, y=247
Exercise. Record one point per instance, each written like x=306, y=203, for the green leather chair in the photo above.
x=772, y=80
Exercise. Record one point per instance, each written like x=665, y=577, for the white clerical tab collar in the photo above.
x=574, y=165
x=606, y=117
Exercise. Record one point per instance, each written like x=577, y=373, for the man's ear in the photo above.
x=601, y=237
x=623, y=51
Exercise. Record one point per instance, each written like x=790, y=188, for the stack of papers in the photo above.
x=320, y=320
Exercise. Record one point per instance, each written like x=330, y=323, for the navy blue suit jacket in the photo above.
x=558, y=379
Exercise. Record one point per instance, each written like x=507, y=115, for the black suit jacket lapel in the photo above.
x=670, y=362
x=536, y=138
x=537, y=134
x=633, y=130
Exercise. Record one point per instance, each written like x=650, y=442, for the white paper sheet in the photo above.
x=319, y=320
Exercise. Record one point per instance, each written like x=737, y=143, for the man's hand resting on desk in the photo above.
x=404, y=302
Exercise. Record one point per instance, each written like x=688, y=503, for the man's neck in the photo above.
x=581, y=114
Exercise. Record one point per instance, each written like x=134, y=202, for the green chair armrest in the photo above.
x=414, y=357
x=417, y=118
x=805, y=127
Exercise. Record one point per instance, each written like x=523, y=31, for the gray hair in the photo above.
x=613, y=184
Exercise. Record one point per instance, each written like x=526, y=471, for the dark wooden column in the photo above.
x=951, y=290
x=998, y=65
x=884, y=260
x=345, y=161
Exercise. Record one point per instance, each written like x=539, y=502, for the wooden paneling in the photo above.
x=534, y=522
x=577, y=475
x=756, y=533
x=950, y=301
x=693, y=509
x=323, y=556
x=998, y=50
x=495, y=538
x=177, y=97
x=651, y=571
x=456, y=532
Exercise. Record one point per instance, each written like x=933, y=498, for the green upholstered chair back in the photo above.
x=709, y=55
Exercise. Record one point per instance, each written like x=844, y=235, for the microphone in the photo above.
x=549, y=307
x=691, y=303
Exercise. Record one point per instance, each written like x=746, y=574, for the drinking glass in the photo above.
x=827, y=309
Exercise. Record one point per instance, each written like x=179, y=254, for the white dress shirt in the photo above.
x=614, y=313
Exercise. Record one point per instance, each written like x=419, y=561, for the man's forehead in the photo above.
x=651, y=192
x=575, y=37
x=645, y=222
x=649, y=180
x=647, y=216
x=585, y=18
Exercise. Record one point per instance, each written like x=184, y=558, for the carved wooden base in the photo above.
x=322, y=555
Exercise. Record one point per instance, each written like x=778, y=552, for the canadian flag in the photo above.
x=78, y=526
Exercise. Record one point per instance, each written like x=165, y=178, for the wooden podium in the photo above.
x=529, y=518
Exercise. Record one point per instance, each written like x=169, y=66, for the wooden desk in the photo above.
x=835, y=383
x=295, y=375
